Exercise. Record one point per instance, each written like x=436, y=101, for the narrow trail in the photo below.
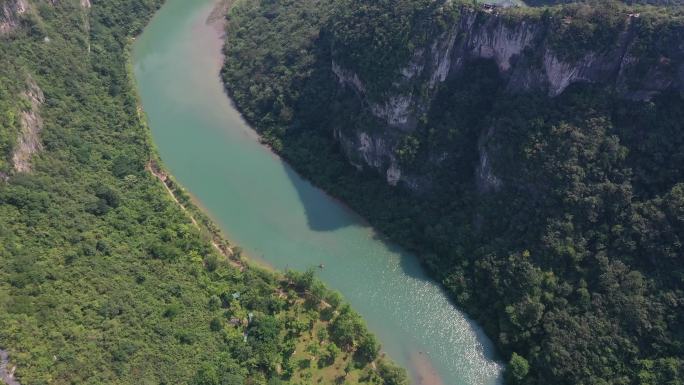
x=7, y=373
x=164, y=178
x=216, y=240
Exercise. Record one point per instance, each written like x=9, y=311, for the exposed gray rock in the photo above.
x=7, y=372
x=349, y=78
x=480, y=35
x=487, y=35
x=484, y=175
x=10, y=14
x=29, y=142
x=367, y=150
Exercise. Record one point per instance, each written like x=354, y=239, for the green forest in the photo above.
x=104, y=278
x=574, y=266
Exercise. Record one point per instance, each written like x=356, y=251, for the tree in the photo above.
x=215, y=324
x=344, y=328
x=392, y=374
x=275, y=381
x=329, y=355
x=517, y=369
x=207, y=375
x=214, y=302
x=264, y=339
x=368, y=349
x=333, y=351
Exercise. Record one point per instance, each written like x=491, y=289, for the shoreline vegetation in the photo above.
x=209, y=230
x=110, y=277
x=207, y=227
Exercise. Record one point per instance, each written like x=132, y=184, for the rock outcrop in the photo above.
x=7, y=371
x=527, y=61
x=10, y=14
x=29, y=142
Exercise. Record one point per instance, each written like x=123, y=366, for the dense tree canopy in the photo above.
x=103, y=278
x=573, y=265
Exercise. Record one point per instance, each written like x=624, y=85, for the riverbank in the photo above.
x=275, y=215
x=207, y=226
x=440, y=168
x=109, y=276
x=290, y=289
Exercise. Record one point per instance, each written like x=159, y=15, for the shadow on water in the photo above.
x=326, y=213
x=322, y=212
x=295, y=224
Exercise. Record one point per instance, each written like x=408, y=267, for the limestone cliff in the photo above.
x=528, y=60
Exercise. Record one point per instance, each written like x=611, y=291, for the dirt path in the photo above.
x=216, y=240
x=163, y=178
x=7, y=372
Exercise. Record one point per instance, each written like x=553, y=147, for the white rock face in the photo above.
x=376, y=152
x=561, y=74
x=378, y=155
x=22, y=6
x=444, y=54
x=486, y=180
x=393, y=174
x=487, y=36
x=370, y=150
x=396, y=111
x=482, y=35
x=502, y=43
x=415, y=66
x=441, y=56
x=349, y=78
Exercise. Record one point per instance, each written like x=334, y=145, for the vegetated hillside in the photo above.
x=538, y=158
x=103, y=277
x=630, y=2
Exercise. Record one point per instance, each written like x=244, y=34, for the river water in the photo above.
x=282, y=220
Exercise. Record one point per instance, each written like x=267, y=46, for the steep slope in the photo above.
x=104, y=277
x=631, y=2
x=533, y=51
x=536, y=157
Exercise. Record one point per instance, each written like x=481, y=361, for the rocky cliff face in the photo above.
x=10, y=13
x=526, y=61
x=29, y=141
x=7, y=371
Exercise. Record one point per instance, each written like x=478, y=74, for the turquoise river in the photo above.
x=282, y=220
